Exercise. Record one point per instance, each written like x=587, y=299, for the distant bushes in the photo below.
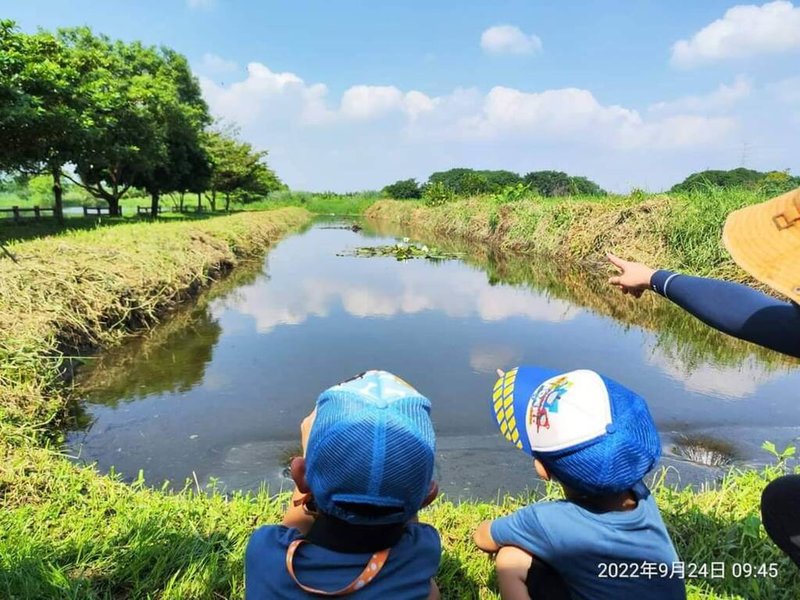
x=437, y=194
x=462, y=182
x=470, y=182
x=771, y=182
x=405, y=189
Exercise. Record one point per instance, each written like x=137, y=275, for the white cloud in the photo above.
x=744, y=31
x=508, y=39
x=572, y=114
x=728, y=383
x=369, y=102
x=365, y=102
x=487, y=358
x=462, y=294
x=318, y=140
x=268, y=95
x=724, y=97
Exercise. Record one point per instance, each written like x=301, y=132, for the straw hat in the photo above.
x=764, y=239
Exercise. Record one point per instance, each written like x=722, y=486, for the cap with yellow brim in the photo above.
x=764, y=240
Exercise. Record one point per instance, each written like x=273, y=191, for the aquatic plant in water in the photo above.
x=404, y=251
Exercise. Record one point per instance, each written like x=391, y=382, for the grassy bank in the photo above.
x=315, y=202
x=669, y=231
x=70, y=533
x=67, y=532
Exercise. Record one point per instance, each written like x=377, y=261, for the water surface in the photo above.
x=218, y=391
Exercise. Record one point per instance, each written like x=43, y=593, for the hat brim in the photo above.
x=510, y=399
x=764, y=240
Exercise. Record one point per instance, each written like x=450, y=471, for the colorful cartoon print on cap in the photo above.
x=545, y=400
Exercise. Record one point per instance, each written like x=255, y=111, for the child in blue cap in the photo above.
x=352, y=528
x=606, y=539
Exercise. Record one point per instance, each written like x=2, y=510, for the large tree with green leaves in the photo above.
x=41, y=118
x=181, y=114
x=147, y=114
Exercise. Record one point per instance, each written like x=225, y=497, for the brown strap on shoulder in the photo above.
x=369, y=573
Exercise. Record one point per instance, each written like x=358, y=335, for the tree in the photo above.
x=740, y=177
x=40, y=118
x=558, y=183
x=181, y=114
x=403, y=189
x=236, y=167
x=585, y=187
x=120, y=93
x=549, y=183
x=465, y=182
x=144, y=114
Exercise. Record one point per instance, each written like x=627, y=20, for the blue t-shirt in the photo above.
x=412, y=562
x=582, y=546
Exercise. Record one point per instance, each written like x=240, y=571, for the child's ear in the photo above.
x=298, y=470
x=541, y=470
x=432, y=493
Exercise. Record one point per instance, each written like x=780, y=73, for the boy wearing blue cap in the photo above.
x=351, y=528
x=606, y=539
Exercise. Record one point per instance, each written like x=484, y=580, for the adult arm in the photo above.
x=732, y=308
x=735, y=309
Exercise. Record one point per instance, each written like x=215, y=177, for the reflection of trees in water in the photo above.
x=679, y=337
x=171, y=357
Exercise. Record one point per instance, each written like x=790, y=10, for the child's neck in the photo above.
x=622, y=502
x=340, y=536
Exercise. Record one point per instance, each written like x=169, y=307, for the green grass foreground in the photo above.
x=68, y=532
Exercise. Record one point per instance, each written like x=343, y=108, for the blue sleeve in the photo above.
x=524, y=530
x=735, y=309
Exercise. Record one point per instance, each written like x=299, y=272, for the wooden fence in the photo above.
x=100, y=210
x=18, y=213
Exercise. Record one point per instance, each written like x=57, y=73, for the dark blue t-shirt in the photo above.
x=581, y=546
x=412, y=562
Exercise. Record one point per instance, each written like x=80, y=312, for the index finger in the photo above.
x=616, y=261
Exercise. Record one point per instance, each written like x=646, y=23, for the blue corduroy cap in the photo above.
x=372, y=443
x=593, y=434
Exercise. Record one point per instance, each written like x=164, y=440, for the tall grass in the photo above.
x=680, y=231
x=329, y=203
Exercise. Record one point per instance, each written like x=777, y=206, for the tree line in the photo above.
x=112, y=116
x=770, y=182
x=471, y=182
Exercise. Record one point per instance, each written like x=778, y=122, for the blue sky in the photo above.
x=353, y=94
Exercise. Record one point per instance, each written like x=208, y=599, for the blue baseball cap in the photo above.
x=593, y=434
x=372, y=444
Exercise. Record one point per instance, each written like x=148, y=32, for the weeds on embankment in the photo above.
x=667, y=231
x=87, y=288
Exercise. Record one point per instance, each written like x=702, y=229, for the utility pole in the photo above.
x=745, y=152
